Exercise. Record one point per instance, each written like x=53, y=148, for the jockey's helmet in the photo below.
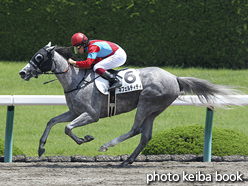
x=79, y=39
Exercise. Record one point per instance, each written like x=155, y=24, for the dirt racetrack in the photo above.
x=139, y=173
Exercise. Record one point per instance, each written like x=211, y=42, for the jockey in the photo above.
x=102, y=56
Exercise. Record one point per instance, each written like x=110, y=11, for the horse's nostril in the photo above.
x=22, y=73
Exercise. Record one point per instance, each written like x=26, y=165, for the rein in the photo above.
x=82, y=86
x=58, y=72
x=78, y=86
x=48, y=73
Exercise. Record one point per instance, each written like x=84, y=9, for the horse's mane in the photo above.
x=66, y=52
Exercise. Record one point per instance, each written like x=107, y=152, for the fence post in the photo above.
x=9, y=134
x=208, y=136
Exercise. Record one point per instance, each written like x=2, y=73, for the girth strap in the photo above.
x=111, y=103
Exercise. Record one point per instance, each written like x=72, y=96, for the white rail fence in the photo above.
x=29, y=100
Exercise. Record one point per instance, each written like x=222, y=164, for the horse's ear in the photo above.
x=50, y=48
x=49, y=44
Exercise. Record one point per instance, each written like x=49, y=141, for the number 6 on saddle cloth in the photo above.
x=130, y=82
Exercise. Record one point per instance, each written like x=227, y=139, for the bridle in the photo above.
x=44, y=66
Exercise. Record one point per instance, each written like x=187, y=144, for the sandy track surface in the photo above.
x=108, y=173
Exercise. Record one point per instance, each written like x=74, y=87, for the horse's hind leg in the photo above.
x=145, y=127
x=141, y=115
x=65, y=117
x=115, y=141
x=145, y=138
x=139, y=118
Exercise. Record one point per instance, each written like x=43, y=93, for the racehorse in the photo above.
x=87, y=105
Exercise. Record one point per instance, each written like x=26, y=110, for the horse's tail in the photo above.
x=208, y=93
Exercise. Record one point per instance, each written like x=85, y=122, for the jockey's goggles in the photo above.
x=76, y=48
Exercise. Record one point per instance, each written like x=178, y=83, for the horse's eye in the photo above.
x=39, y=57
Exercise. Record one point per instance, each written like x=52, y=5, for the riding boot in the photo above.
x=114, y=81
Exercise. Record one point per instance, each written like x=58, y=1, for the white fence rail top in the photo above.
x=32, y=100
x=15, y=100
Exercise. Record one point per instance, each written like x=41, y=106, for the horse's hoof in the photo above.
x=88, y=138
x=123, y=164
x=103, y=149
x=41, y=151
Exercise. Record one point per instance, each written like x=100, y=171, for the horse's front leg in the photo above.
x=65, y=117
x=84, y=119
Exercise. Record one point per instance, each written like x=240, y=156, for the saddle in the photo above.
x=130, y=82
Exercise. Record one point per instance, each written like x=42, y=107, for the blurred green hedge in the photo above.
x=178, y=33
x=189, y=140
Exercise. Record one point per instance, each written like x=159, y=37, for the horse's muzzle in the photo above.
x=24, y=75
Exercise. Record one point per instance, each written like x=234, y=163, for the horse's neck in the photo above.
x=71, y=78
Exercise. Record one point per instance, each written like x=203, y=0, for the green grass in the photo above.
x=30, y=121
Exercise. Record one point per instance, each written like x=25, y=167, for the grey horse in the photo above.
x=87, y=105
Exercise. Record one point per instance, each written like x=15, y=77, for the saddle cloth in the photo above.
x=130, y=82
